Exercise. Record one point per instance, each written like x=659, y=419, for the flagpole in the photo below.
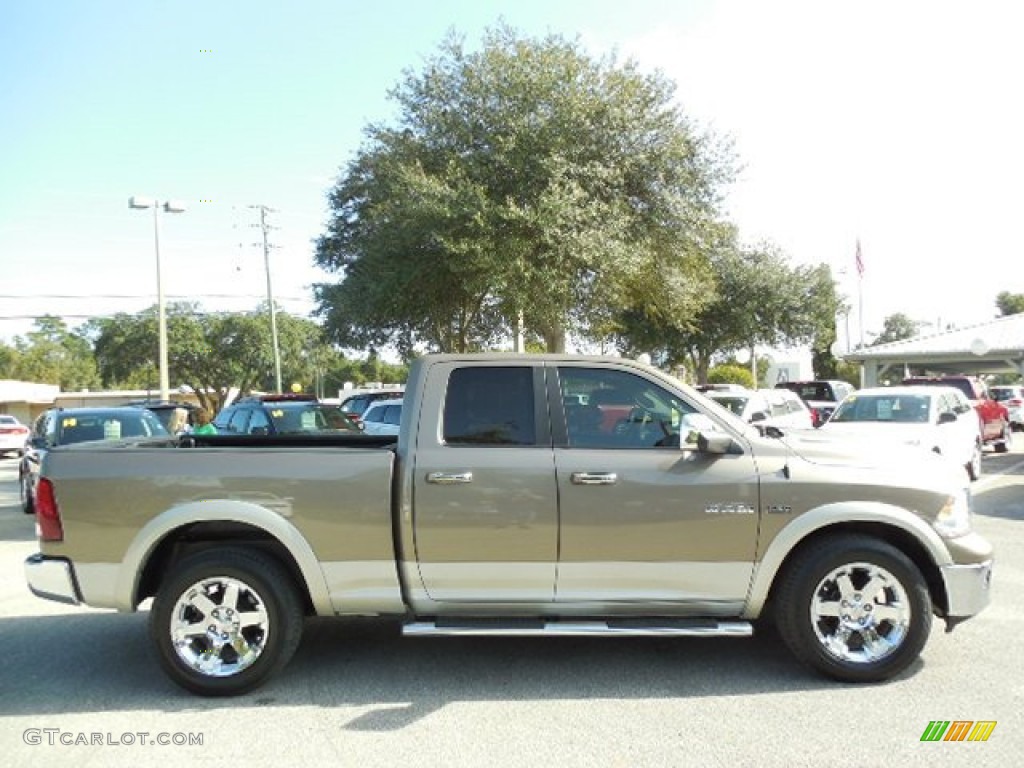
x=860, y=311
x=860, y=292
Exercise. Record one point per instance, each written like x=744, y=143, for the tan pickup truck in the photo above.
x=526, y=495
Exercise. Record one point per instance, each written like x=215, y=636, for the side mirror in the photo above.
x=705, y=442
x=947, y=417
x=716, y=443
x=758, y=416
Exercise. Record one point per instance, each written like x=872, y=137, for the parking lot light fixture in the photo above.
x=169, y=206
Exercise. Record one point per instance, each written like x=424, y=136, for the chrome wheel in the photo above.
x=854, y=607
x=860, y=613
x=226, y=619
x=219, y=626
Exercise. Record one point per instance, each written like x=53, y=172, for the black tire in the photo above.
x=1003, y=444
x=28, y=505
x=853, y=645
x=217, y=588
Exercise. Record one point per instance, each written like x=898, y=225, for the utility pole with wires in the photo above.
x=265, y=227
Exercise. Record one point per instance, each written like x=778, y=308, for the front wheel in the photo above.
x=225, y=620
x=854, y=608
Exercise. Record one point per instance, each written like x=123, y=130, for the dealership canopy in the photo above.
x=993, y=347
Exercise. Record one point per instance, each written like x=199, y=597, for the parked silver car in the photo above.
x=383, y=417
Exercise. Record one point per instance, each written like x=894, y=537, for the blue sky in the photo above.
x=897, y=123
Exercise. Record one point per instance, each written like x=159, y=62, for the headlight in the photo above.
x=954, y=519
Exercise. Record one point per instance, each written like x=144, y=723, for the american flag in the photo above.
x=860, y=261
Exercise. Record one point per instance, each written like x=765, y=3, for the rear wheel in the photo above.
x=226, y=620
x=854, y=608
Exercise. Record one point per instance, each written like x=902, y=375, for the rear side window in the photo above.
x=490, y=406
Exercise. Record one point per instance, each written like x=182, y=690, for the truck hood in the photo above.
x=862, y=449
x=879, y=434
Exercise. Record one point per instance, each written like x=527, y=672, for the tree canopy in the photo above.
x=1009, y=303
x=897, y=327
x=50, y=354
x=526, y=180
x=210, y=353
x=756, y=298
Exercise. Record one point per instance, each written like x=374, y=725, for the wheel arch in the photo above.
x=902, y=529
x=191, y=528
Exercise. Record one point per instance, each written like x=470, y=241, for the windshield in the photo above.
x=896, y=408
x=112, y=425
x=734, y=403
x=302, y=418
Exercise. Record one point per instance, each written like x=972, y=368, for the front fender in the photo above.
x=215, y=510
x=828, y=515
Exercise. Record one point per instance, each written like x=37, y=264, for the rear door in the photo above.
x=641, y=520
x=485, y=503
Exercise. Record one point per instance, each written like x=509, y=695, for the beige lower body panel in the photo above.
x=364, y=587
x=583, y=589
x=98, y=584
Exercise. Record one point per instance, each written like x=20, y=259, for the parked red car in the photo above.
x=993, y=416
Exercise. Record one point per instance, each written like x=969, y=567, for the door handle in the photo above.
x=449, y=478
x=594, y=478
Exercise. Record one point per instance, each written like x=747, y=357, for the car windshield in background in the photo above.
x=907, y=409
x=814, y=392
x=107, y=425
x=298, y=418
x=734, y=403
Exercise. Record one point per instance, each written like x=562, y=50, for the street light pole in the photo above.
x=161, y=306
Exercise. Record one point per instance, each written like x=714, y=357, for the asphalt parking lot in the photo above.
x=358, y=694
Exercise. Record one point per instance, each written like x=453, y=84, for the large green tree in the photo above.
x=757, y=298
x=523, y=182
x=52, y=354
x=1009, y=303
x=212, y=354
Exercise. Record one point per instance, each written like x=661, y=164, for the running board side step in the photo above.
x=609, y=628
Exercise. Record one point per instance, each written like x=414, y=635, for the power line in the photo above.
x=147, y=296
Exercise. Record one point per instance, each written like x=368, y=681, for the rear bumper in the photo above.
x=968, y=588
x=52, y=578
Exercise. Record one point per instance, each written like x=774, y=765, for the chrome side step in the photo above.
x=609, y=628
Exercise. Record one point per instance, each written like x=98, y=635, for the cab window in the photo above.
x=490, y=406
x=607, y=408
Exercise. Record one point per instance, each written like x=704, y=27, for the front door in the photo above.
x=642, y=520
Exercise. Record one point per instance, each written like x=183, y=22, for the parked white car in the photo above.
x=13, y=435
x=383, y=417
x=939, y=419
x=770, y=407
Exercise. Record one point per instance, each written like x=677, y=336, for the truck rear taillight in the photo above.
x=48, y=524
